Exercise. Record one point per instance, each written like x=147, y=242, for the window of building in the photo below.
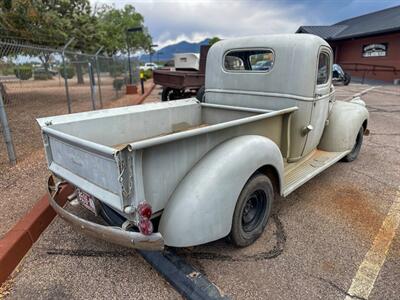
x=323, y=68
x=260, y=60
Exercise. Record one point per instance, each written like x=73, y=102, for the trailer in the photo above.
x=183, y=81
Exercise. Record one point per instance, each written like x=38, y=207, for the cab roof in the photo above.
x=293, y=71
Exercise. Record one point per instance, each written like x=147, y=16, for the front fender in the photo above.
x=345, y=120
x=201, y=208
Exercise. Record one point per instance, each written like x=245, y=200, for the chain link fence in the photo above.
x=39, y=81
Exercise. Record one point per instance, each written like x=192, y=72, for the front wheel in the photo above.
x=356, y=148
x=252, y=211
x=347, y=79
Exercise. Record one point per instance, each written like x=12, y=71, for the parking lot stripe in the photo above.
x=369, y=269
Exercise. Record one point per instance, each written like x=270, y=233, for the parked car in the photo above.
x=149, y=66
x=44, y=71
x=339, y=75
x=262, y=65
x=184, y=173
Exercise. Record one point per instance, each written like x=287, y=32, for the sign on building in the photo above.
x=373, y=50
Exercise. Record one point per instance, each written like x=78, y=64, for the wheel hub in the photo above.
x=253, y=210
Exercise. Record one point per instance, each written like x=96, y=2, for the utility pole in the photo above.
x=152, y=51
x=131, y=30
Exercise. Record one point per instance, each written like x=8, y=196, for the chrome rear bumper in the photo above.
x=116, y=235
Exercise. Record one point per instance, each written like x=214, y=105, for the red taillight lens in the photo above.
x=145, y=226
x=144, y=210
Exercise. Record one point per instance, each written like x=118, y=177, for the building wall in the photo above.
x=348, y=53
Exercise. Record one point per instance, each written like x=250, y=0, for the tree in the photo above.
x=213, y=40
x=113, y=24
x=51, y=23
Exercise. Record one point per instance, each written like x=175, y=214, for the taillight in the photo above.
x=145, y=226
x=144, y=210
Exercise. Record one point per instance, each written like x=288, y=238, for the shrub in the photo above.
x=116, y=70
x=148, y=74
x=118, y=83
x=8, y=70
x=42, y=74
x=69, y=70
x=23, y=72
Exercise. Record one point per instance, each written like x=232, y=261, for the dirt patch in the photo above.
x=353, y=205
x=328, y=266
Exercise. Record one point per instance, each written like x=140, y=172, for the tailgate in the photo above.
x=94, y=168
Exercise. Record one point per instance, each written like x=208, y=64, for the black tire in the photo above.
x=200, y=94
x=252, y=211
x=347, y=79
x=356, y=148
x=165, y=94
x=169, y=94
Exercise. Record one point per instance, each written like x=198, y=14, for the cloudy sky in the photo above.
x=170, y=21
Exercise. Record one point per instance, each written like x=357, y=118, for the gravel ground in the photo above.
x=22, y=185
x=311, y=249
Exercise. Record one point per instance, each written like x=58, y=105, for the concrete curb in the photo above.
x=17, y=242
x=185, y=279
x=146, y=94
x=19, y=239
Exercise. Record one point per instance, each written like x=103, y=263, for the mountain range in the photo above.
x=167, y=52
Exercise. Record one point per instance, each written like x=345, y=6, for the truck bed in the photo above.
x=126, y=154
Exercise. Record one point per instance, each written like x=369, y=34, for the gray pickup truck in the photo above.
x=188, y=172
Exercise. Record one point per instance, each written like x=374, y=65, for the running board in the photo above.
x=298, y=173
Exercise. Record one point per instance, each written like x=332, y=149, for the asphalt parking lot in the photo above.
x=313, y=247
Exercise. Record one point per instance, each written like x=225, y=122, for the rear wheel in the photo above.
x=356, y=148
x=252, y=211
x=169, y=94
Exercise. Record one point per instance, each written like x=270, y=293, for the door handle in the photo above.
x=307, y=129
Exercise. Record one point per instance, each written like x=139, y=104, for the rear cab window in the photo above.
x=251, y=60
x=323, y=68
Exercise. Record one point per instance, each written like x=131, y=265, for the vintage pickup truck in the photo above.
x=186, y=172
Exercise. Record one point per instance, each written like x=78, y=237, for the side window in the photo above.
x=260, y=60
x=323, y=68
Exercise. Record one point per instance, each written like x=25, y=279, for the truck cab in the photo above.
x=237, y=82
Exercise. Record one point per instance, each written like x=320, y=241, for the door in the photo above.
x=322, y=96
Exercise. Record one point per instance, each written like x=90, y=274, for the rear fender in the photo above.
x=344, y=122
x=201, y=208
